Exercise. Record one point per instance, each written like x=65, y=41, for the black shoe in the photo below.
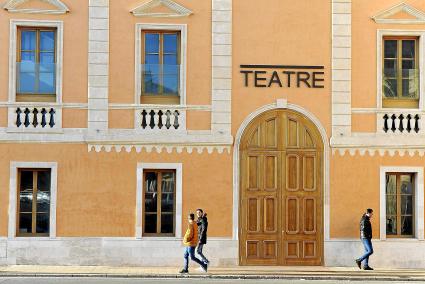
x=367, y=268
x=184, y=271
x=359, y=263
x=204, y=267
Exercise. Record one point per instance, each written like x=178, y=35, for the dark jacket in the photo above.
x=365, y=228
x=202, y=229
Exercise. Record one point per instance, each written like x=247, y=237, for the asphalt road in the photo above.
x=37, y=280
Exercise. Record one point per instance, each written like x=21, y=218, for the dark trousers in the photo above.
x=367, y=243
x=190, y=251
x=201, y=255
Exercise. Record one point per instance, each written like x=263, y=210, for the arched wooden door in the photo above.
x=281, y=191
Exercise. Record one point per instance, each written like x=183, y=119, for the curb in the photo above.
x=218, y=276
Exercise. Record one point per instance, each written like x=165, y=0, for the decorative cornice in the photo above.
x=12, y=6
x=177, y=10
x=381, y=152
x=160, y=148
x=382, y=17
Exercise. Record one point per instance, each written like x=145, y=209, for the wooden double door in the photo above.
x=281, y=191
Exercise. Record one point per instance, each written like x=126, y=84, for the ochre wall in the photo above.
x=364, y=47
x=355, y=186
x=97, y=191
x=290, y=33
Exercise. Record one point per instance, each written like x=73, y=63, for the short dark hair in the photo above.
x=192, y=216
x=369, y=210
x=200, y=210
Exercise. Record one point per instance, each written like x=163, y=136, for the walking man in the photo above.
x=366, y=237
x=202, y=223
x=190, y=241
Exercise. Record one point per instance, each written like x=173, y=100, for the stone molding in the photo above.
x=12, y=6
x=418, y=210
x=160, y=148
x=383, y=16
x=282, y=104
x=98, y=66
x=183, y=56
x=221, y=116
x=13, y=184
x=177, y=10
x=379, y=151
x=341, y=68
x=14, y=23
x=178, y=167
x=379, y=49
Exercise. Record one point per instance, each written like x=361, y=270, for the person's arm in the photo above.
x=202, y=231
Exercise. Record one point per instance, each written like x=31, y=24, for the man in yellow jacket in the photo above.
x=190, y=241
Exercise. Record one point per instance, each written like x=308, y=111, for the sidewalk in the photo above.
x=237, y=272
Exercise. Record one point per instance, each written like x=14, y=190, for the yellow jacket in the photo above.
x=191, y=237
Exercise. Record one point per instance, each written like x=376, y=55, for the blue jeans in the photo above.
x=367, y=243
x=190, y=251
x=199, y=251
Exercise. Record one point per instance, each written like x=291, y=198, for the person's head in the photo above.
x=199, y=212
x=369, y=212
x=191, y=217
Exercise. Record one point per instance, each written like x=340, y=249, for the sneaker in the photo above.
x=205, y=267
x=367, y=268
x=184, y=271
x=359, y=263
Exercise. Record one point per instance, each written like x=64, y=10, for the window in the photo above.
x=401, y=72
x=36, y=64
x=33, y=208
x=160, y=67
x=159, y=202
x=399, y=196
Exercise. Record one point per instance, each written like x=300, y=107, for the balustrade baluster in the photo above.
x=160, y=124
x=18, y=117
x=52, y=117
x=43, y=117
x=168, y=120
x=393, y=118
x=408, y=127
x=417, y=123
x=152, y=119
x=35, y=118
x=27, y=119
x=144, y=114
x=400, y=126
x=176, y=119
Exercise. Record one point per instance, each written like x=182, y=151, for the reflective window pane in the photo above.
x=390, y=49
x=170, y=43
x=406, y=225
x=28, y=56
x=28, y=40
x=409, y=88
x=391, y=205
x=151, y=192
x=170, y=59
x=42, y=224
x=151, y=43
x=390, y=88
x=167, y=224
x=46, y=83
x=406, y=204
x=47, y=40
x=25, y=223
x=391, y=184
x=26, y=180
x=406, y=184
x=43, y=202
x=43, y=180
x=391, y=225
x=150, y=223
x=408, y=47
x=390, y=68
x=25, y=201
x=47, y=57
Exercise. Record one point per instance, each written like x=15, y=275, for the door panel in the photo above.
x=281, y=191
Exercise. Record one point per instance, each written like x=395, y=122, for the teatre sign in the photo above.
x=283, y=76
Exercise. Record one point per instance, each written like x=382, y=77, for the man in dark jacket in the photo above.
x=366, y=237
x=202, y=223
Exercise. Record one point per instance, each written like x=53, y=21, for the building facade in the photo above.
x=283, y=120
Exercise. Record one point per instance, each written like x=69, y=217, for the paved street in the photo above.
x=58, y=280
